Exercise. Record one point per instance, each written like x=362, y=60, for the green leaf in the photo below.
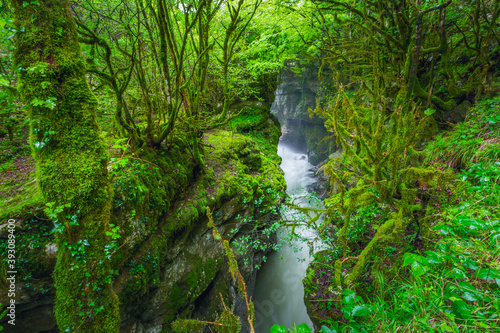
x=429, y=112
x=487, y=274
x=468, y=296
x=457, y=273
x=461, y=308
x=481, y=324
x=349, y=296
x=359, y=311
x=446, y=328
x=303, y=328
x=278, y=329
x=470, y=264
x=496, y=304
x=419, y=264
x=495, y=237
x=464, y=286
x=418, y=269
x=408, y=258
x=444, y=229
x=434, y=257
x=325, y=329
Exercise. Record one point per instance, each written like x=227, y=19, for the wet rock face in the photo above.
x=197, y=276
x=297, y=92
x=309, y=138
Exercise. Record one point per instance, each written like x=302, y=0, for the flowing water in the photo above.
x=279, y=294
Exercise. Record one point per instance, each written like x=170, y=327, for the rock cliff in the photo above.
x=166, y=262
x=297, y=92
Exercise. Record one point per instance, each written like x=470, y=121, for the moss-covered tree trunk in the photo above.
x=71, y=162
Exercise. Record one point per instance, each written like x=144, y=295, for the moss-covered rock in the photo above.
x=319, y=143
x=165, y=262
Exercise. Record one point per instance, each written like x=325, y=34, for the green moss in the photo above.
x=230, y=157
x=250, y=118
x=157, y=196
x=187, y=325
x=317, y=143
x=189, y=287
x=71, y=162
x=20, y=199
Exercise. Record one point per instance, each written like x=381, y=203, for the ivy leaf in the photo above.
x=467, y=286
x=495, y=237
x=444, y=229
x=496, y=304
x=50, y=103
x=417, y=268
x=39, y=145
x=419, y=264
x=470, y=264
x=434, y=257
x=481, y=324
x=445, y=328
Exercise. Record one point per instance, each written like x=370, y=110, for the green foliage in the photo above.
x=473, y=141
x=449, y=289
x=187, y=325
x=450, y=284
x=382, y=109
x=227, y=323
x=71, y=163
x=378, y=164
x=2, y=315
x=10, y=114
x=302, y=328
x=6, y=166
x=168, y=70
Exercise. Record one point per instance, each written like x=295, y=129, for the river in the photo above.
x=279, y=294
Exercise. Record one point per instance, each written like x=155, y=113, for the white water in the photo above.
x=279, y=294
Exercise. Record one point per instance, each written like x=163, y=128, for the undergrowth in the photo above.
x=476, y=140
x=447, y=278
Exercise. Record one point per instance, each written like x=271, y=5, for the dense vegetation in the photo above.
x=170, y=89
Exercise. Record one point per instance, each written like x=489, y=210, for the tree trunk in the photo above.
x=71, y=161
